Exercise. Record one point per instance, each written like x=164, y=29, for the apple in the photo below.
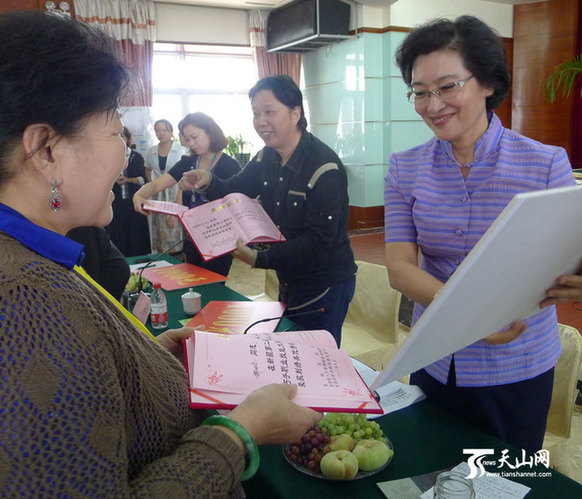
x=371, y=454
x=339, y=465
x=341, y=442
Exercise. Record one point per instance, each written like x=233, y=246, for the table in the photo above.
x=215, y=291
x=426, y=438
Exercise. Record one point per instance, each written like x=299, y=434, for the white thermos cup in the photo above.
x=191, y=302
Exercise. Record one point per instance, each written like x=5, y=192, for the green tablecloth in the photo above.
x=426, y=438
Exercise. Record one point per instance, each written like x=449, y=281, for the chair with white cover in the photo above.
x=564, y=392
x=371, y=331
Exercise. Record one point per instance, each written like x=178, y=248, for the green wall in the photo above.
x=356, y=102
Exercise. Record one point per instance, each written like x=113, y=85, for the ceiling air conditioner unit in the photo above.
x=305, y=25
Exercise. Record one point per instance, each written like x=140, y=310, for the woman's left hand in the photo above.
x=244, y=253
x=170, y=223
x=506, y=335
x=172, y=340
x=569, y=287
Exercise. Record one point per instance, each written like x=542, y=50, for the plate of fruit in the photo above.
x=341, y=447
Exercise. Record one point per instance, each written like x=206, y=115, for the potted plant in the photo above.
x=236, y=148
x=564, y=77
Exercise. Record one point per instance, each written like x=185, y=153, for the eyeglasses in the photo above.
x=442, y=91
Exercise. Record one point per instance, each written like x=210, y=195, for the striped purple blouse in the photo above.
x=427, y=202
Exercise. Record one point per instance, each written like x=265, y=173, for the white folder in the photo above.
x=536, y=239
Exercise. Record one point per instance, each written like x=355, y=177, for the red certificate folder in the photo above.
x=224, y=369
x=214, y=227
x=182, y=275
x=233, y=317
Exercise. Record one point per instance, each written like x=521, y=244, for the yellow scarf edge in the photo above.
x=132, y=318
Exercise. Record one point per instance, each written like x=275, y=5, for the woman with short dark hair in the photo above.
x=302, y=185
x=441, y=197
x=285, y=91
x=92, y=405
x=479, y=47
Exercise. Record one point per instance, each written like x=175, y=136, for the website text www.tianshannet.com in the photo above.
x=520, y=474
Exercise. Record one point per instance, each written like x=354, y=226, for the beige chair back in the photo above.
x=565, y=379
x=372, y=319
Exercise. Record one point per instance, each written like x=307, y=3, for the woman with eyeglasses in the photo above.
x=441, y=197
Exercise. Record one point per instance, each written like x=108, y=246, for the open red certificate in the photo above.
x=214, y=227
x=224, y=369
x=182, y=275
x=233, y=317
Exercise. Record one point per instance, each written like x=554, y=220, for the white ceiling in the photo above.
x=270, y=4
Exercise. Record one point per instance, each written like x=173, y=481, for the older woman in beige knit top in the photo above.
x=90, y=404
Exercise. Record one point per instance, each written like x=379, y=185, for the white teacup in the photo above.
x=191, y=302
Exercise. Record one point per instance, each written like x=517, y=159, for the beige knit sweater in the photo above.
x=90, y=406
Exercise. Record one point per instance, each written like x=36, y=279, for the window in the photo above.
x=211, y=79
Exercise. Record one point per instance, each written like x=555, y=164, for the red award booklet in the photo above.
x=223, y=369
x=214, y=227
x=233, y=317
x=182, y=275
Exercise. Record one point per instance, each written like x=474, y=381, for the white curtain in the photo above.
x=132, y=24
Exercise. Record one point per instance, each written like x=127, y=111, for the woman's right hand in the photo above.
x=567, y=288
x=194, y=179
x=271, y=417
x=138, y=201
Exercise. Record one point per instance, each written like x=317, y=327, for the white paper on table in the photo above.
x=488, y=487
x=136, y=267
x=393, y=396
x=503, y=279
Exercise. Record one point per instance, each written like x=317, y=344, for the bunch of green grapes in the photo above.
x=355, y=425
x=133, y=283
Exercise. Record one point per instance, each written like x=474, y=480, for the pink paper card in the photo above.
x=249, y=216
x=215, y=226
x=164, y=207
x=241, y=363
x=142, y=308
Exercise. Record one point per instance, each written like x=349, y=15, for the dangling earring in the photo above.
x=55, y=200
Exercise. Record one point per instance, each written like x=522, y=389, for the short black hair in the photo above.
x=285, y=91
x=479, y=46
x=201, y=120
x=53, y=70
